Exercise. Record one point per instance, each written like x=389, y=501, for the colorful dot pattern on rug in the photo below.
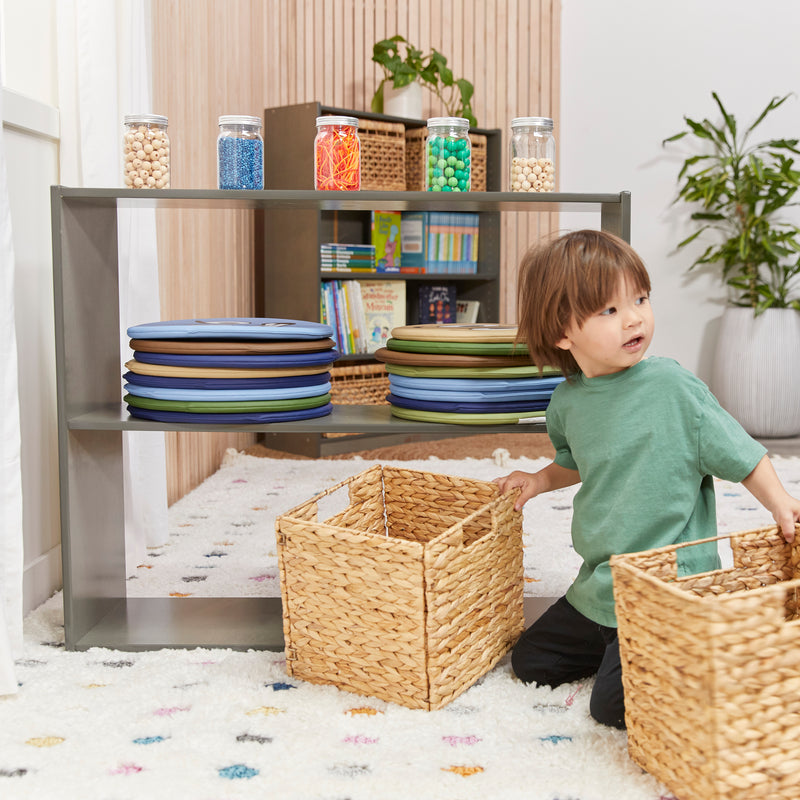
x=221, y=724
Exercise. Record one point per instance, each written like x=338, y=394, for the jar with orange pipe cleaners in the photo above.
x=337, y=154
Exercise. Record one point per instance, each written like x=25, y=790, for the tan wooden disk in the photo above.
x=219, y=372
x=457, y=332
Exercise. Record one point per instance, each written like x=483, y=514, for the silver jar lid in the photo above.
x=239, y=119
x=448, y=122
x=350, y=121
x=144, y=119
x=527, y=122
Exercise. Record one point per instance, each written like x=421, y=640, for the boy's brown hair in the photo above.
x=567, y=280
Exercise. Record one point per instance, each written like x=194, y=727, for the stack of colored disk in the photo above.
x=471, y=374
x=231, y=370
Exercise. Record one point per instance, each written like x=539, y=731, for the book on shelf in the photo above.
x=437, y=304
x=439, y=241
x=412, y=241
x=362, y=313
x=342, y=257
x=384, y=305
x=385, y=227
x=467, y=311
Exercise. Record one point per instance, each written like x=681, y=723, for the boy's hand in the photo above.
x=524, y=481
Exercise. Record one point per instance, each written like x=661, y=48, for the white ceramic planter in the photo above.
x=404, y=102
x=756, y=373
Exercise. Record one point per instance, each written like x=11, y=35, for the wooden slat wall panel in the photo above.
x=215, y=57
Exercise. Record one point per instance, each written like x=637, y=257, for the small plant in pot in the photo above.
x=741, y=192
x=404, y=65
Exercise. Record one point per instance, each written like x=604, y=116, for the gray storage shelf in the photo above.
x=91, y=416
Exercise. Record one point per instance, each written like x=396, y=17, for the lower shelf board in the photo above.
x=238, y=623
x=154, y=623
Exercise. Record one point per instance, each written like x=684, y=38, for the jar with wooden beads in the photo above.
x=448, y=153
x=532, y=155
x=145, y=152
x=337, y=154
x=240, y=152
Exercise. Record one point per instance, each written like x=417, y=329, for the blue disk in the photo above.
x=471, y=397
x=227, y=395
x=238, y=419
x=231, y=328
x=468, y=408
x=475, y=384
x=226, y=383
x=247, y=362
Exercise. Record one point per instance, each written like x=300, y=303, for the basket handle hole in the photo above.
x=333, y=504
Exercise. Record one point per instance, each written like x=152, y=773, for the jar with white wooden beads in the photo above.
x=532, y=155
x=145, y=152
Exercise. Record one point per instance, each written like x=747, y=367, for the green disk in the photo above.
x=234, y=407
x=465, y=419
x=458, y=348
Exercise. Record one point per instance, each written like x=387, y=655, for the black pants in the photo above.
x=564, y=646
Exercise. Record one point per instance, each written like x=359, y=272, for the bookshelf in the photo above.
x=91, y=415
x=289, y=240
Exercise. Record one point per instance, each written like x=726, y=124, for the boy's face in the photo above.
x=614, y=338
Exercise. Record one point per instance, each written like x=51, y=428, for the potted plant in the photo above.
x=412, y=70
x=741, y=191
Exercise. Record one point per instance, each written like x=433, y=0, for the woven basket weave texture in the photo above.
x=711, y=669
x=415, y=160
x=359, y=384
x=383, y=148
x=409, y=594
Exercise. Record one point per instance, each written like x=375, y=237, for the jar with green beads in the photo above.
x=447, y=154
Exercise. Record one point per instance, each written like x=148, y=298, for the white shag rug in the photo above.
x=219, y=724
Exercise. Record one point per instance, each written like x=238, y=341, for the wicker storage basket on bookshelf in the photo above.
x=359, y=385
x=415, y=160
x=711, y=669
x=383, y=148
x=410, y=593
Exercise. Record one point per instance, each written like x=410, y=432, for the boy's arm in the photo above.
x=765, y=485
x=530, y=484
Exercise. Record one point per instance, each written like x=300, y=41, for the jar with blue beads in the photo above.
x=448, y=153
x=240, y=153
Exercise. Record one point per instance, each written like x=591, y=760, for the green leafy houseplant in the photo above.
x=741, y=188
x=430, y=70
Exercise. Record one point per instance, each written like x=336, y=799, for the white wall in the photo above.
x=30, y=129
x=631, y=70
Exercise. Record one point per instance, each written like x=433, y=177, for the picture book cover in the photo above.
x=437, y=304
x=384, y=304
x=386, y=240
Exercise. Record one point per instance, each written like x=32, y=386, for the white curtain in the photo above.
x=11, y=556
x=105, y=69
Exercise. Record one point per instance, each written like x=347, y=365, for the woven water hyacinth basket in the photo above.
x=711, y=669
x=409, y=593
x=383, y=155
x=415, y=160
x=359, y=384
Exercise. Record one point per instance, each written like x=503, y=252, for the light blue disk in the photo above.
x=231, y=328
x=287, y=393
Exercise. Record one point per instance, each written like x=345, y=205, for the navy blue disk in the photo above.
x=468, y=408
x=239, y=419
x=250, y=362
x=158, y=381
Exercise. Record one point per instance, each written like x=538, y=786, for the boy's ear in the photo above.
x=564, y=343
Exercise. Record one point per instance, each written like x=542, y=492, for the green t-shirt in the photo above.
x=646, y=443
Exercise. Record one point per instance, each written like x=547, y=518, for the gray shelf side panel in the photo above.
x=86, y=292
x=616, y=217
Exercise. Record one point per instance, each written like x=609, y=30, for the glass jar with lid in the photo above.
x=448, y=153
x=145, y=152
x=532, y=155
x=337, y=154
x=240, y=152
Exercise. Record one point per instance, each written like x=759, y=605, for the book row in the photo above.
x=410, y=241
